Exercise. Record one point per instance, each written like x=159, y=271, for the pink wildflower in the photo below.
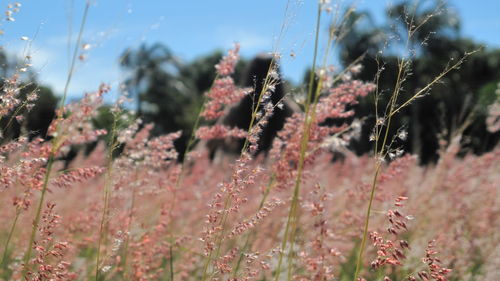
x=224, y=92
x=227, y=64
x=78, y=175
x=219, y=132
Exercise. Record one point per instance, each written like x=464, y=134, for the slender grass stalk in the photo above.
x=75, y=52
x=253, y=118
x=256, y=109
x=267, y=79
x=36, y=221
x=55, y=146
x=129, y=227
x=382, y=148
x=171, y=262
x=178, y=182
x=250, y=236
x=9, y=237
x=107, y=193
x=227, y=202
x=402, y=66
x=303, y=148
x=312, y=113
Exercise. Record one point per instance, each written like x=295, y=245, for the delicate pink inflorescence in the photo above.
x=226, y=66
x=223, y=91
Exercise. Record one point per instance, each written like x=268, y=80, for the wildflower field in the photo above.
x=130, y=206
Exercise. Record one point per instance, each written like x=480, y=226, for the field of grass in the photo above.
x=130, y=210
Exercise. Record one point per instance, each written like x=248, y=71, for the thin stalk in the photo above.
x=251, y=235
x=103, y=221
x=178, y=182
x=56, y=143
x=367, y=222
x=300, y=168
x=219, y=239
x=107, y=190
x=436, y=79
x=391, y=110
x=291, y=253
x=129, y=227
x=36, y=221
x=75, y=53
x=171, y=263
x=310, y=117
x=391, y=106
x=303, y=148
x=267, y=80
x=265, y=86
x=9, y=237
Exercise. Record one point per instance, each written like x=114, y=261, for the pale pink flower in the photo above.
x=226, y=66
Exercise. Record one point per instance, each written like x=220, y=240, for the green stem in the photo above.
x=53, y=152
x=257, y=106
x=303, y=148
x=36, y=221
x=178, y=182
x=171, y=263
x=107, y=186
x=378, y=165
x=75, y=53
x=129, y=227
x=251, y=235
x=367, y=222
x=9, y=237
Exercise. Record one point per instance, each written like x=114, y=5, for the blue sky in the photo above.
x=190, y=29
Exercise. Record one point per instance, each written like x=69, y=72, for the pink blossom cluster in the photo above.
x=219, y=131
x=49, y=260
x=436, y=271
x=229, y=199
x=73, y=123
x=9, y=97
x=223, y=93
x=391, y=251
x=66, y=180
x=334, y=105
x=226, y=66
x=286, y=148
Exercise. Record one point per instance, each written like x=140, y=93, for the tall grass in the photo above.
x=141, y=215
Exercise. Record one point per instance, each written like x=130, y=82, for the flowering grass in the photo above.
x=293, y=215
x=454, y=203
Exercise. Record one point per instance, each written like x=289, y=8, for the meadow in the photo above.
x=130, y=209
